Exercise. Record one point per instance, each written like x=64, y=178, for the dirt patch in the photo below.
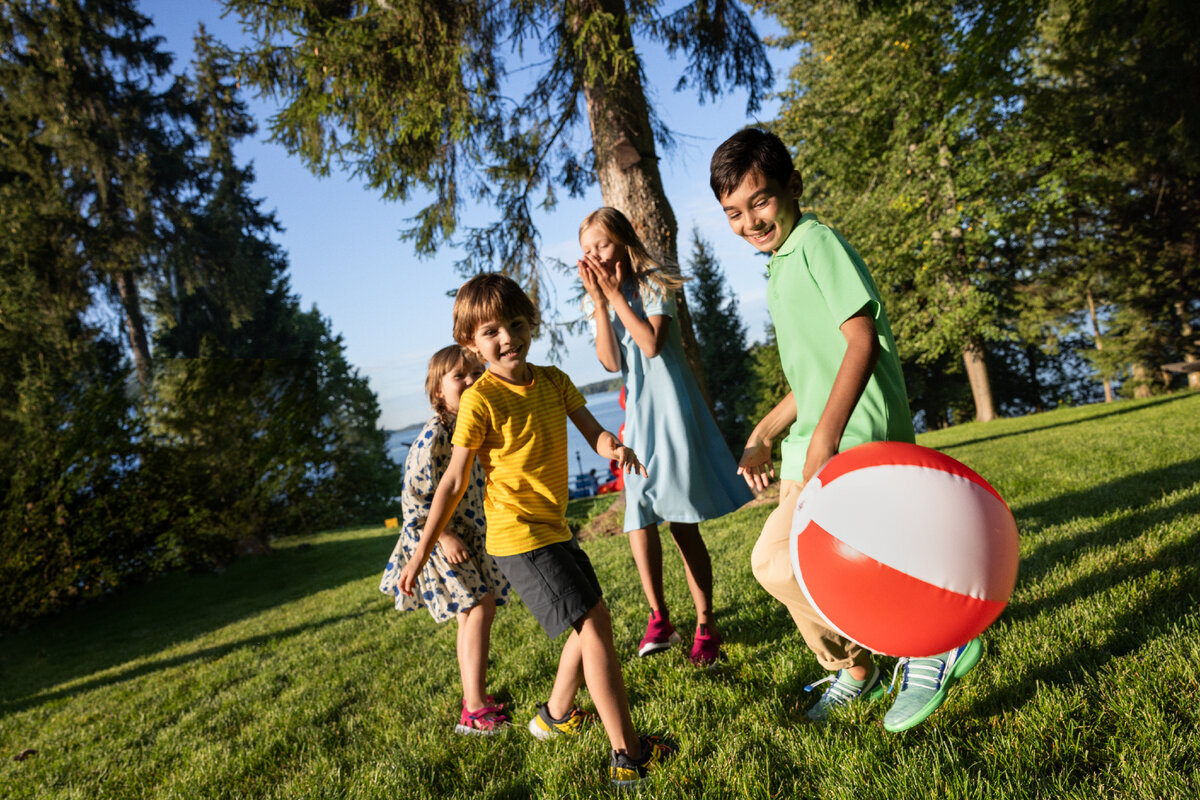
x=607, y=523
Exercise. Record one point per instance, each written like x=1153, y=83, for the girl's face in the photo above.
x=456, y=381
x=597, y=242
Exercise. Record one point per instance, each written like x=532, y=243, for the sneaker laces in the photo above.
x=925, y=673
x=840, y=693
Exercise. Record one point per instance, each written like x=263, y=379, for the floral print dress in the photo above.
x=445, y=589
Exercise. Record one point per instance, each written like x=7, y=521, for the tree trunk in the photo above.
x=1189, y=345
x=1141, y=380
x=981, y=385
x=1091, y=301
x=135, y=325
x=626, y=161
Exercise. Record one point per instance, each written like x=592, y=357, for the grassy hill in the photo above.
x=290, y=676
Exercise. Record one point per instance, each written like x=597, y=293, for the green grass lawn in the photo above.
x=290, y=676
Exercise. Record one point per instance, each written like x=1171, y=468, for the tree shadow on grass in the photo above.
x=1117, y=410
x=154, y=665
x=1132, y=492
x=1155, y=614
x=177, y=608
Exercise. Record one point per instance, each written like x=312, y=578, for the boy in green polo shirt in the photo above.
x=839, y=358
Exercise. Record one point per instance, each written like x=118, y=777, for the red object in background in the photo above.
x=616, y=480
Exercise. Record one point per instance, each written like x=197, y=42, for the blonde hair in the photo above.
x=662, y=277
x=489, y=296
x=441, y=364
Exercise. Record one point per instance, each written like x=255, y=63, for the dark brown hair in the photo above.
x=749, y=150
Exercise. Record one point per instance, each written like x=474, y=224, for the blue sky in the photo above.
x=346, y=256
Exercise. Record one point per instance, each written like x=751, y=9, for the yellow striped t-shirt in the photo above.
x=519, y=434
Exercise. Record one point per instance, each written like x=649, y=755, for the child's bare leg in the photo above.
x=474, y=639
x=567, y=680
x=647, y=555
x=602, y=672
x=698, y=567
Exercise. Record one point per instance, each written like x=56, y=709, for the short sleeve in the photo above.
x=840, y=275
x=571, y=397
x=472, y=425
x=655, y=304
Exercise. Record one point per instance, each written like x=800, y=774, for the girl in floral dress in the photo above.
x=460, y=581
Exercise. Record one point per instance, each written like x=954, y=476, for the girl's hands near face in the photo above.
x=588, y=276
x=607, y=275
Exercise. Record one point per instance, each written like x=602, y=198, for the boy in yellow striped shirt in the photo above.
x=514, y=420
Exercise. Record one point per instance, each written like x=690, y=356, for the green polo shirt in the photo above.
x=816, y=281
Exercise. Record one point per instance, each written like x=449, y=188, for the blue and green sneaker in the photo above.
x=926, y=682
x=845, y=690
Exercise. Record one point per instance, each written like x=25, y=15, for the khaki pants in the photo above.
x=772, y=565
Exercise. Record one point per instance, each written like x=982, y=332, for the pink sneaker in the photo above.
x=487, y=721
x=660, y=635
x=706, y=647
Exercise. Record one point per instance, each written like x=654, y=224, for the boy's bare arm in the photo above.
x=862, y=352
x=755, y=464
x=450, y=491
x=605, y=443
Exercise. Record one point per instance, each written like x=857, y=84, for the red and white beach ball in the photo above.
x=904, y=549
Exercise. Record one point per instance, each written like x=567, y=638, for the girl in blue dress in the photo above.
x=460, y=580
x=692, y=476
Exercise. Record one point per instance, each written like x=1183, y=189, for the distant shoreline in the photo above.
x=599, y=387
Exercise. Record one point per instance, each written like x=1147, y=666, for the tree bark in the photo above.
x=1189, y=345
x=626, y=161
x=135, y=325
x=1091, y=301
x=981, y=387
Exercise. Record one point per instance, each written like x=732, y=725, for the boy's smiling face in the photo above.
x=504, y=344
x=762, y=211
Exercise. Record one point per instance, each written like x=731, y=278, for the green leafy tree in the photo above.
x=1116, y=97
x=418, y=96
x=721, y=336
x=902, y=121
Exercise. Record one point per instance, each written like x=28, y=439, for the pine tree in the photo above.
x=721, y=336
x=413, y=94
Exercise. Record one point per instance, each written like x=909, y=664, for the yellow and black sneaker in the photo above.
x=544, y=726
x=626, y=773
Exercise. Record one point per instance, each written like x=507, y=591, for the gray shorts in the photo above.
x=556, y=582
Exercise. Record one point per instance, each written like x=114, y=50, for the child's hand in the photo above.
x=408, y=577
x=453, y=547
x=627, y=461
x=755, y=464
x=588, y=276
x=607, y=276
x=816, y=458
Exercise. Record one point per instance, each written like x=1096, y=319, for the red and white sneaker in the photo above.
x=487, y=721
x=660, y=634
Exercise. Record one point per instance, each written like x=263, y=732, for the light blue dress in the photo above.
x=692, y=476
x=444, y=588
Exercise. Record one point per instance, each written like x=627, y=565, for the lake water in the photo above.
x=605, y=407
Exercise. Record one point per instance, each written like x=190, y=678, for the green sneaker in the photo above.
x=543, y=726
x=926, y=682
x=845, y=690
x=625, y=773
